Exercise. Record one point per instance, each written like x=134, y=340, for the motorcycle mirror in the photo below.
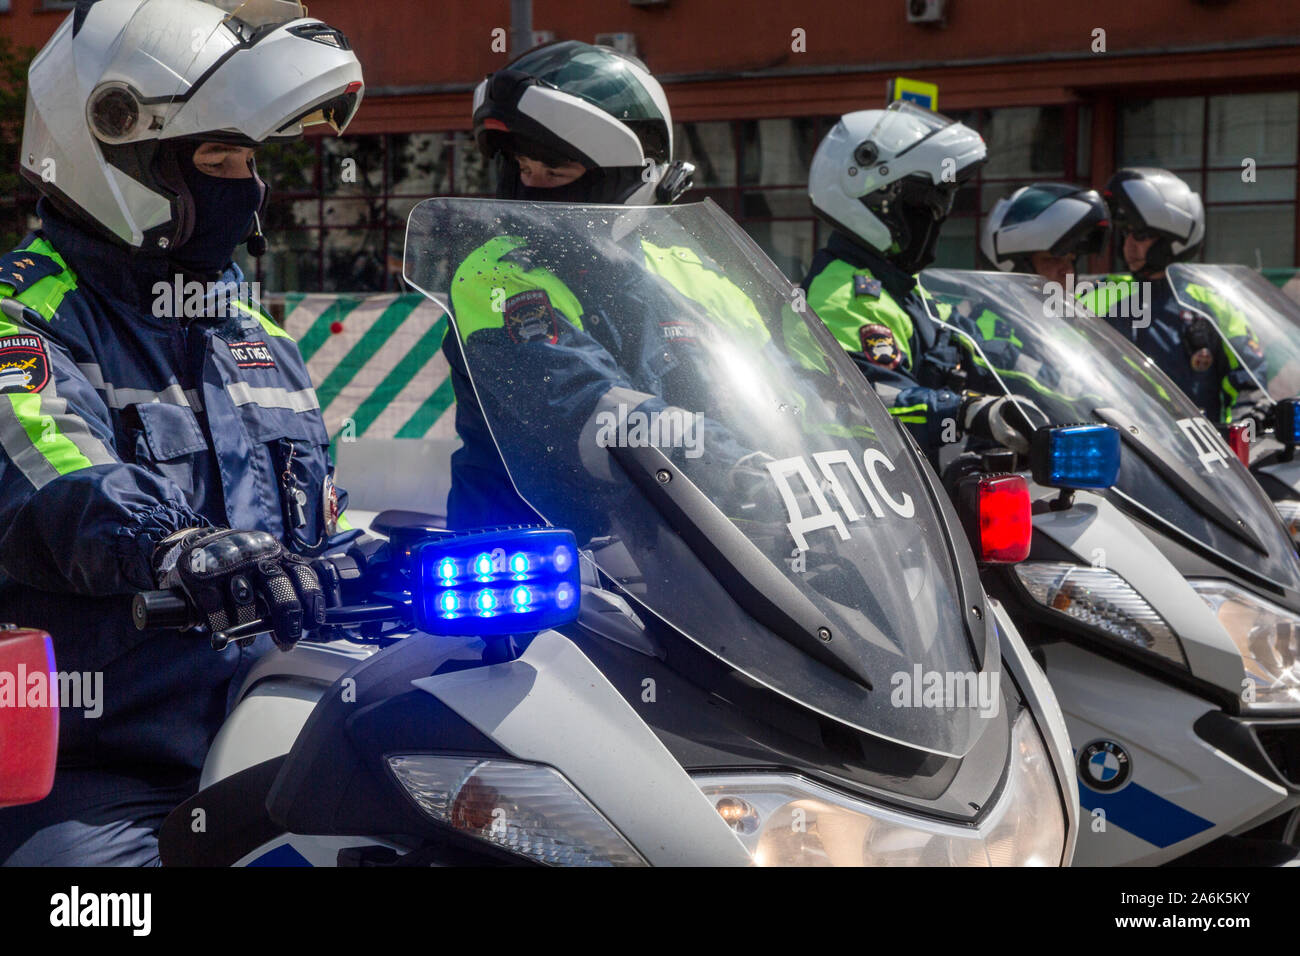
x=29, y=735
x=996, y=513
x=508, y=581
x=1286, y=422
x=1075, y=456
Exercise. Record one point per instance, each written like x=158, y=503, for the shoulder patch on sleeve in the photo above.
x=879, y=345
x=530, y=317
x=22, y=269
x=24, y=364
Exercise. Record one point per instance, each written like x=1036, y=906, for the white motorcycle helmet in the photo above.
x=571, y=101
x=120, y=78
x=887, y=178
x=1054, y=218
x=1155, y=202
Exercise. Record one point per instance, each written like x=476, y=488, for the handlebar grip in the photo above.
x=150, y=609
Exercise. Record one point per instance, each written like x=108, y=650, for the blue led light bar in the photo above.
x=1076, y=456
x=512, y=581
x=1286, y=422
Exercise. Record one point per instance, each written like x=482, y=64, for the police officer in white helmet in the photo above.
x=1044, y=229
x=885, y=181
x=154, y=444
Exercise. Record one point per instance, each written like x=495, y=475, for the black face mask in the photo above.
x=223, y=216
x=921, y=234
x=581, y=189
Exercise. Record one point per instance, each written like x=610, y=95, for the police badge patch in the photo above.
x=529, y=317
x=879, y=345
x=24, y=366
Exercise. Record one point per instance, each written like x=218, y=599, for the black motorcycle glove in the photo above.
x=1200, y=339
x=235, y=577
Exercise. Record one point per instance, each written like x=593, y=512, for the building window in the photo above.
x=1239, y=153
x=757, y=172
x=337, y=214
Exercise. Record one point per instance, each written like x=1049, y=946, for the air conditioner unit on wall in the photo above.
x=622, y=42
x=927, y=11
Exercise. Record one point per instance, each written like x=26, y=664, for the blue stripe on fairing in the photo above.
x=1144, y=814
x=282, y=855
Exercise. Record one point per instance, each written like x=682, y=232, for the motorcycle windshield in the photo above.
x=1074, y=368
x=654, y=383
x=1272, y=316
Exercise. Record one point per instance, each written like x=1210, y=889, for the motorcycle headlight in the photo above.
x=788, y=820
x=1268, y=639
x=1102, y=599
x=529, y=809
x=1290, y=512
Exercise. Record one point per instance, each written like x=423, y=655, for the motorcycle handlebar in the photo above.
x=172, y=609
x=163, y=609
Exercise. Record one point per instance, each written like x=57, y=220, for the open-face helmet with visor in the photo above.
x=124, y=87
x=887, y=178
x=1154, y=203
x=574, y=102
x=1055, y=218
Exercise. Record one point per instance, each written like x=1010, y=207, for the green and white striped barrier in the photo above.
x=376, y=362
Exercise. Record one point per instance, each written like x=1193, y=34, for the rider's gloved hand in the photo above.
x=1000, y=418
x=227, y=574
x=1199, y=341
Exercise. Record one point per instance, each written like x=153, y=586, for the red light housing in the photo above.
x=1238, y=436
x=998, y=517
x=29, y=736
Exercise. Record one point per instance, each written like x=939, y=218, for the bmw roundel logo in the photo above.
x=1104, y=765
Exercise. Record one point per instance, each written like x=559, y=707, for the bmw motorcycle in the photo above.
x=1163, y=601
x=691, y=659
